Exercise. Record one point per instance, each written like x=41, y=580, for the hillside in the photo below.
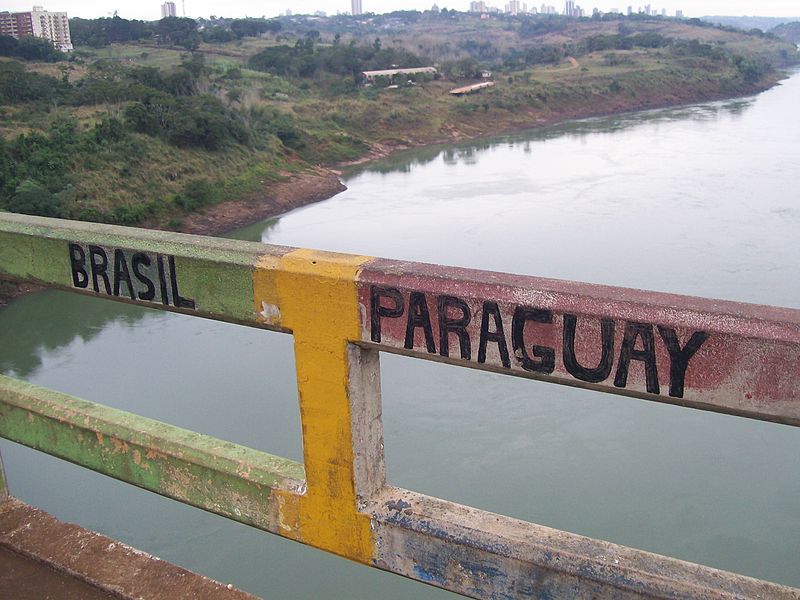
x=765, y=24
x=789, y=32
x=151, y=123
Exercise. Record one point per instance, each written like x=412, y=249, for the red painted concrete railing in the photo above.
x=343, y=311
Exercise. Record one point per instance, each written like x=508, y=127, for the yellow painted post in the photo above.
x=317, y=300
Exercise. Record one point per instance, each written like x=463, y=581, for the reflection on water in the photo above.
x=468, y=152
x=54, y=320
x=699, y=200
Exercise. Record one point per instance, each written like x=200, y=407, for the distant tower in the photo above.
x=168, y=10
x=356, y=7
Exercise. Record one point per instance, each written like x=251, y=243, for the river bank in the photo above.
x=323, y=182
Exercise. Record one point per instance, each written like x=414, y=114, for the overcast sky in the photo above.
x=150, y=9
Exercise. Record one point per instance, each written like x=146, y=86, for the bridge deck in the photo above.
x=42, y=557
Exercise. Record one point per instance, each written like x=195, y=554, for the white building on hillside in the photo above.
x=168, y=10
x=53, y=26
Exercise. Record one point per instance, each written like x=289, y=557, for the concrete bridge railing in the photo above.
x=343, y=311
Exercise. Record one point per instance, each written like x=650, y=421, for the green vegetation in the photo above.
x=789, y=32
x=175, y=31
x=29, y=48
x=145, y=122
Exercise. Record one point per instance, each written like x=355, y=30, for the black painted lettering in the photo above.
x=419, y=316
x=378, y=311
x=628, y=352
x=545, y=354
x=577, y=370
x=162, y=280
x=178, y=300
x=497, y=336
x=679, y=357
x=99, y=265
x=121, y=273
x=457, y=326
x=139, y=259
x=77, y=261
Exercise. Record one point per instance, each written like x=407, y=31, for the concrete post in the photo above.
x=3, y=485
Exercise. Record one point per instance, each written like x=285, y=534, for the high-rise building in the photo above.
x=16, y=24
x=53, y=26
x=356, y=7
x=569, y=8
x=679, y=14
x=168, y=10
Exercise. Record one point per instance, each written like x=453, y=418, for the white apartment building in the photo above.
x=53, y=26
x=168, y=10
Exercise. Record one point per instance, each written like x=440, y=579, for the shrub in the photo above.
x=109, y=130
x=30, y=48
x=196, y=194
x=32, y=198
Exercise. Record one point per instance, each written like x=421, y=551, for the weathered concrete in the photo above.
x=41, y=557
x=715, y=355
x=216, y=278
x=221, y=477
x=485, y=555
x=24, y=578
x=3, y=482
x=343, y=311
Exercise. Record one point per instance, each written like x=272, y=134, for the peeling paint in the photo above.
x=3, y=483
x=744, y=360
x=327, y=512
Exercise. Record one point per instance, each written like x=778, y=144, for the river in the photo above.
x=700, y=200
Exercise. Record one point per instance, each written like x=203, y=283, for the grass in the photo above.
x=146, y=167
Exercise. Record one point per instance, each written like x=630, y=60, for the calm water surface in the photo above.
x=700, y=200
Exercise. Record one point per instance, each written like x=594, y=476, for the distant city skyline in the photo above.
x=151, y=9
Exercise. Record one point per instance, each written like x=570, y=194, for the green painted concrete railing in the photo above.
x=343, y=311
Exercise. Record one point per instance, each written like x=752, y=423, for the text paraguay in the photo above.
x=439, y=321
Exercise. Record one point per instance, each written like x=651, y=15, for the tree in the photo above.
x=33, y=48
x=8, y=45
x=32, y=198
x=178, y=31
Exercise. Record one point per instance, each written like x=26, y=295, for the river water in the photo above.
x=699, y=200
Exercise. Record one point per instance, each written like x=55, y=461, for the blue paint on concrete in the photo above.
x=429, y=576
